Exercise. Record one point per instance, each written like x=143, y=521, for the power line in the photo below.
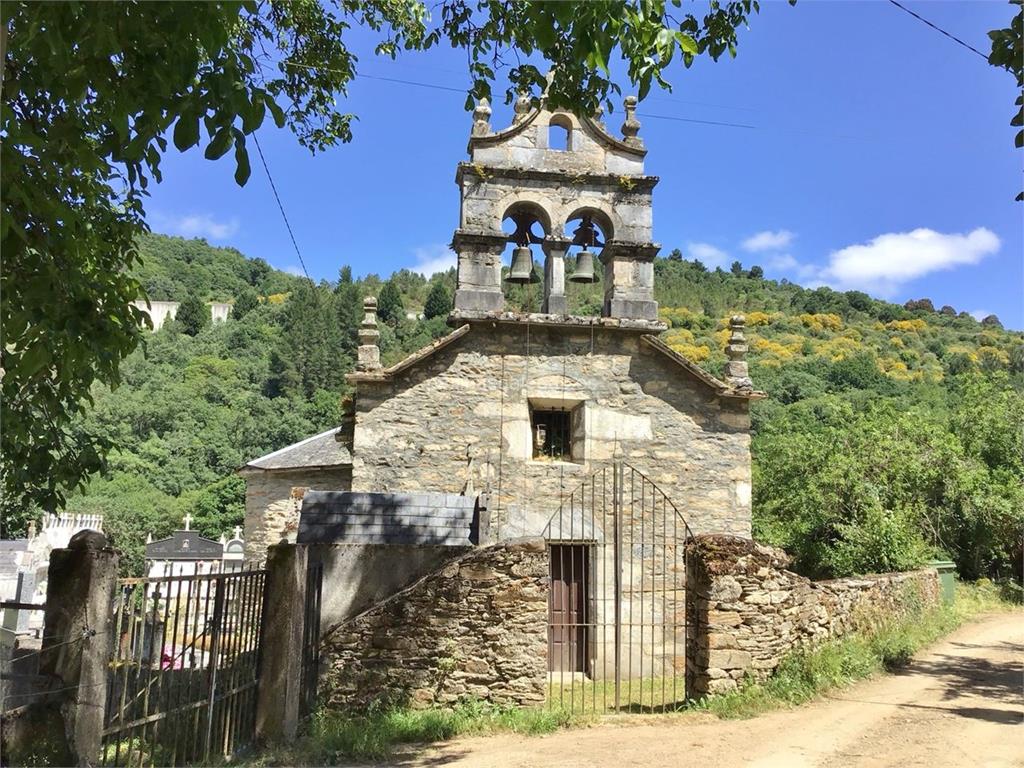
x=284, y=215
x=954, y=38
x=694, y=120
x=674, y=118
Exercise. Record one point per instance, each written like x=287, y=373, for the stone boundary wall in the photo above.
x=475, y=628
x=746, y=612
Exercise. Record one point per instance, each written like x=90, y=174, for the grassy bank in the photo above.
x=333, y=738
x=838, y=663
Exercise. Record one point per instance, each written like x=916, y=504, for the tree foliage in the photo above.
x=439, y=302
x=95, y=93
x=390, y=307
x=193, y=315
x=1008, y=53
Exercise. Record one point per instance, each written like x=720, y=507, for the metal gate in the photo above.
x=617, y=602
x=183, y=678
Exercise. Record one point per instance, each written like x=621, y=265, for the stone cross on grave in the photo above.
x=188, y=521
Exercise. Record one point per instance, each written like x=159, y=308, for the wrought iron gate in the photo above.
x=617, y=605
x=183, y=679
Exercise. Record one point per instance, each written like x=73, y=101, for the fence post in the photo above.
x=77, y=636
x=280, y=681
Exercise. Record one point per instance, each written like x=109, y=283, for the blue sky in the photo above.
x=880, y=158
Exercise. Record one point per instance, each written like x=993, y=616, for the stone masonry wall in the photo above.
x=745, y=611
x=475, y=628
x=273, y=501
x=462, y=417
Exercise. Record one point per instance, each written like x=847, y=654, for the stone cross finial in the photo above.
x=736, y=372
x=369, y=352
x=631, y=126
x=481, y=118
x=521, y=108
x=188, y=521
x=238, y=531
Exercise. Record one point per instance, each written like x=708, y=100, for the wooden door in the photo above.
x=567, y=609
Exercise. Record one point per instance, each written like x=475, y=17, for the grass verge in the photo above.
x=803, y=676
x=333, y=737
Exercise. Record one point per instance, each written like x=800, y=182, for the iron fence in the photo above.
x=617, y=601
x=184, y=672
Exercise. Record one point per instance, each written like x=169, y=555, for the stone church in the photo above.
x=483, y=436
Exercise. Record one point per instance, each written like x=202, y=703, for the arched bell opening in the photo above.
x=588, y=230
x=525, y=225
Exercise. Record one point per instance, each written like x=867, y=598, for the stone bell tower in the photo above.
x=562, y=180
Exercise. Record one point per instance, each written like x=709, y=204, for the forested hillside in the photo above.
x=892, y=434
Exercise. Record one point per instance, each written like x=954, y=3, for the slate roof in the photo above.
x=348, y=517
x=184, y=545
x=316, y=452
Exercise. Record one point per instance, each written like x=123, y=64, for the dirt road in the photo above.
x=957, y=704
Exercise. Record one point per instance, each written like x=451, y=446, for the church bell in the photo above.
x=584, y=268
x=522, y=267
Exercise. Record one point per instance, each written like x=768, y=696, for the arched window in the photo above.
x=560, y=133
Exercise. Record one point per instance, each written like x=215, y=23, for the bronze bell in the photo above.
x=584, y=268
x=522, y=267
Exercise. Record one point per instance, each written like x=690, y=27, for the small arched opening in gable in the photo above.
x=560, y=133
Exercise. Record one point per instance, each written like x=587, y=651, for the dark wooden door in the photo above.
x=567, y=650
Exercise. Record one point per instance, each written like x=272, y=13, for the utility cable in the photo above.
x=280, y=206
x=940, y=30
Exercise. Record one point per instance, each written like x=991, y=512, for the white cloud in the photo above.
x=782, y=262
x=979, y=314
x=768, y=241
x=431, y=259
x=708, y=254
x=883, y=265
x=195, y=225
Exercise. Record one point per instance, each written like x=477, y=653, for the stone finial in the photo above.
x=369, y=352
x=521, y=108
x=481, y=118
x=238, y=532
x=631, y=126
x=149, y=538
x=736, y=372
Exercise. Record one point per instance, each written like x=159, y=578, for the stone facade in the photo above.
x=460, y=419
x=475, y=628
x=746, y=612
x=273, y=500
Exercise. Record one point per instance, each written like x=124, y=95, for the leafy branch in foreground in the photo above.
x=94, y=93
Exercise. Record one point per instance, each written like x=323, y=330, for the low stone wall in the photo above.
x=746, y=612
x=475, y=628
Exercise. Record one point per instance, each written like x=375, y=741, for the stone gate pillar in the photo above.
x=78, y=637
